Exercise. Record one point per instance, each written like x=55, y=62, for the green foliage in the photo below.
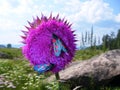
x=56, y=85
x=11, y=53
x=91, y=36
x=89, y=39
x=111, y=41
x=9, y=46
x=53, y=86
x=118, y=39
x=86, y=54
x=21, y=75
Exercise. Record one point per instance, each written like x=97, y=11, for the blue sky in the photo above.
x=104, y=15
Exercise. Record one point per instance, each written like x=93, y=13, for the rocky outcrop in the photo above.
x=3, y=55
x=100, y=70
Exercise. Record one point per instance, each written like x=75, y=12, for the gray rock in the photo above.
x=6, y=55
x=99, y=70
x=3, y=55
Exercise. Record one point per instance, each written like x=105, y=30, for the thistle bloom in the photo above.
x=38, y=48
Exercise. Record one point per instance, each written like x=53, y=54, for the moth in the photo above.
x=58, y=46
x=42, y=68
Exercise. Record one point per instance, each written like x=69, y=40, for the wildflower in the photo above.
x=6, y=82
x=24, y=88
x=11, y=85
x=30, y=83
x=40, y=45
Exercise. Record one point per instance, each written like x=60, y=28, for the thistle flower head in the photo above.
x=38, y=48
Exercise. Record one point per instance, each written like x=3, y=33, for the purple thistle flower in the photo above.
x=38, y=48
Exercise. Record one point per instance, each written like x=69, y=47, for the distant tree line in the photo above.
x=89, y=39
x=8, y=46
x=109, y=41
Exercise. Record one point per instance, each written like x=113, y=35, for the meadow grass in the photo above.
x=21, y=75
x=12, y=53
x=86, y=54
x=17, y=74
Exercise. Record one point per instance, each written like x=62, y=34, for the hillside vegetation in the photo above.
x=10, y=53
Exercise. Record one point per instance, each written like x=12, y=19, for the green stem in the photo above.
x=58, y=78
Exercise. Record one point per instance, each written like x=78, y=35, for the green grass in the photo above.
x=21, y=75
x=12, y=53
x=86, y=54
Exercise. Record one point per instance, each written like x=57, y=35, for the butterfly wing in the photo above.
x=41, y=68
x=58, y=47
x=63, y=48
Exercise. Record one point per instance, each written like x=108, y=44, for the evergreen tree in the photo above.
x=91, y=38
x=118, y=39
x=83, y=42
x=111, y=41
x=105, y=40
x=9, y=46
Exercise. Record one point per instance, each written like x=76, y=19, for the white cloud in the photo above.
x=90, y=11
x=117, y=18
x=15, y=13
x=10, y=38
x=23, y=7
x=4, y=8
x=7, y=24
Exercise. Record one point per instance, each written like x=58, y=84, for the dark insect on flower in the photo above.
x=58, y=46
x=42, y=68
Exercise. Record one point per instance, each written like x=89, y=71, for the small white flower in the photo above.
x=11, y=85
x=24, y=87
x=30, y=83
x=6, y=82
